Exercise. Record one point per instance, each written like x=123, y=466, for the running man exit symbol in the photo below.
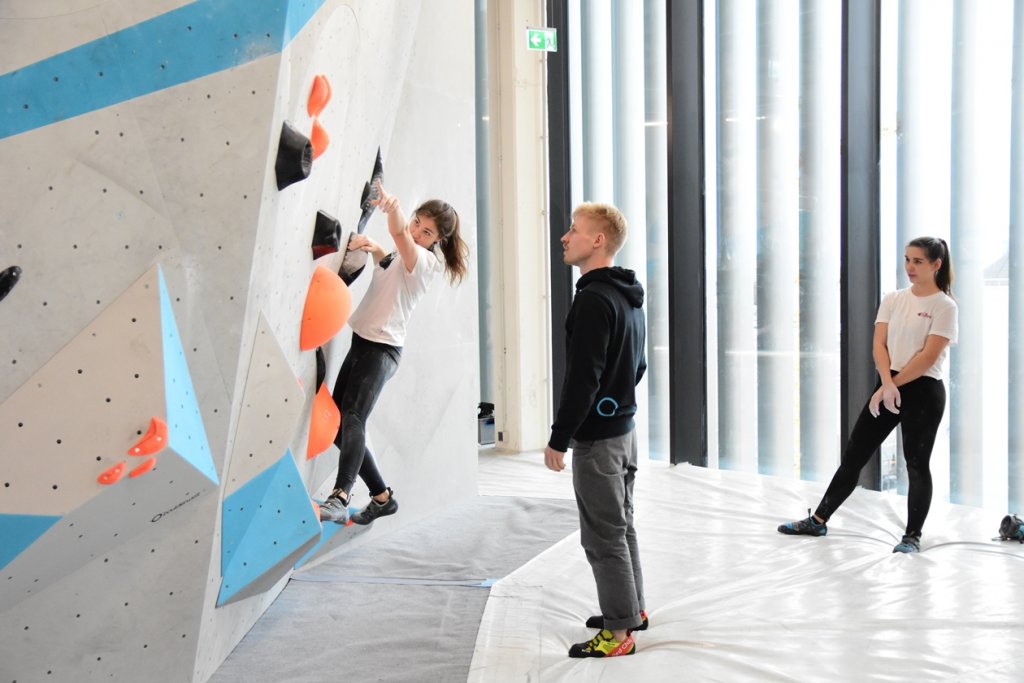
x=542, y=39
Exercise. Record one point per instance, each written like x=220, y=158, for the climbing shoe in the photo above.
x=909, y=544
x=597, y=621
x=335, y=508
x=603, y=645
x=373, y=509
x=807, y=527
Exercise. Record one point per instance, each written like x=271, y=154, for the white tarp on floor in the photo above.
x=731, y=599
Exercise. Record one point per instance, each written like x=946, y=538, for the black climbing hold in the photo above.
x=326, y=235
x=8, y=279
x=370, y=193
x=378, y=169
x=364, y=200
x=352, y=264
x=365, y=207
x=294, y=157
x=321, y=367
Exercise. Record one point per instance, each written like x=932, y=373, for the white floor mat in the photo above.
x=731, y=599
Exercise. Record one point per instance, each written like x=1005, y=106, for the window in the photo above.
x=773, y=170
x=618, y=155
x=945, y=171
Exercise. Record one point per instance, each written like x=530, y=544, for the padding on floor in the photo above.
x=731, y=599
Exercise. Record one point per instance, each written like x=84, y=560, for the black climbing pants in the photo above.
x=363, y=373
x=922, y=404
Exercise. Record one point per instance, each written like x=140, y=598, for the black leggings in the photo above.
x=922, y=404
x=366, y=368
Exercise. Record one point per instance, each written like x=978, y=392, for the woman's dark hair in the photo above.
x=936, y=248
x=453, y=248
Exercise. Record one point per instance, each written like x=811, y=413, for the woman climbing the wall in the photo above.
x=423, y=247
x=913, y=331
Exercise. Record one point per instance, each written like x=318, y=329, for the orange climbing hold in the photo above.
x=323, y=423
x=327, y=307
x=111, y=475
x=319, y=139
x=153, y=441
x=143, y=468
x=319, y=95
x=316, y=508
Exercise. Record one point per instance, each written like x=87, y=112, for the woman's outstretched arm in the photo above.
x=397, y=226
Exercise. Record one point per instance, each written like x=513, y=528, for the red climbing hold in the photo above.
x=323, y=423
x=319, y=95
x=153, y=441
x=319, y=139
x=143, y=468
x=327, y=307
x=111, y=475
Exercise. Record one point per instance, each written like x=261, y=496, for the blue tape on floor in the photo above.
x=340, y=578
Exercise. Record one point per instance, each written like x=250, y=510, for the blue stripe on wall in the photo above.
x=190, y=42
x=186, y=430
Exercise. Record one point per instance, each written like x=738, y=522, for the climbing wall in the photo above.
x=183, y=177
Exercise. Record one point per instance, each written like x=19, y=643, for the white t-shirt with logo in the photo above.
x=911, y=319
x=394, y=291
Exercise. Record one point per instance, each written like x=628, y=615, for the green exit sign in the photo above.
x=542, y=39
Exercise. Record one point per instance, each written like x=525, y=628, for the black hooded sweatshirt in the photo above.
x=604, y=339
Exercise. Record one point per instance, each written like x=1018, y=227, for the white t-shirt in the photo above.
x=388, y=304
x=911, y=319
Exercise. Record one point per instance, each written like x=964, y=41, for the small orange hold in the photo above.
x=316, y=508
x=319, y=139
x=153, y=441
x=327, y=307
x=323, y=423
x=112, y=474
x=143, y=468
x=319, y=95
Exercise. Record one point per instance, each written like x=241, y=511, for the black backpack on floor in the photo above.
x=1011, y=529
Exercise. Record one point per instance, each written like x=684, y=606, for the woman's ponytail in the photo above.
x=935, y=248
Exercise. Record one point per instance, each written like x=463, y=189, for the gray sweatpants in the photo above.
x=602, y=476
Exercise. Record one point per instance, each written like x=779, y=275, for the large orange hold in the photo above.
x=328, y=305
x=153, y=441
x=319, y=95
x=319, y=139
x=323, y=423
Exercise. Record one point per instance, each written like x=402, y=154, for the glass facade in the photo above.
x=950, y=161
x=619, y=136
x=773, y=168
x=945, y=171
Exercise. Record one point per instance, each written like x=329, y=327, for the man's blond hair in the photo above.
x=613, y=223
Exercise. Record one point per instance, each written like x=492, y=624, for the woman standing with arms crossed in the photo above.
x=913, y=331
x=424, y=246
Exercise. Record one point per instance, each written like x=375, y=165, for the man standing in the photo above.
x=605, y=360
